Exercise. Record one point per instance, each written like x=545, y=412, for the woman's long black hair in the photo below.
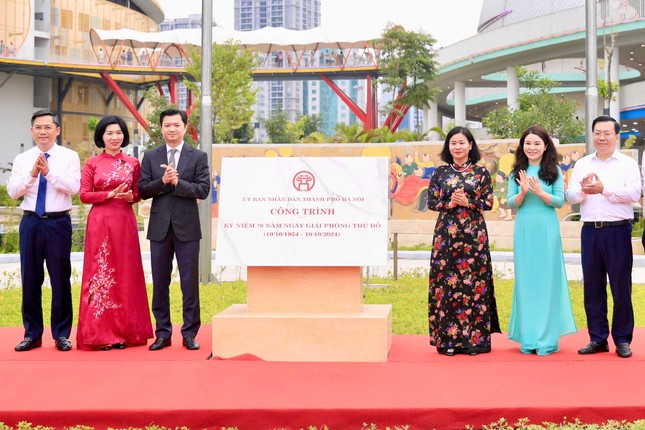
x=549, y=164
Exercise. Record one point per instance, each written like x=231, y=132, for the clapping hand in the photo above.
x=170, y=175
x=534, y=186
x=40, y=166
x=121, y=192
x=523, y=181
x=591, y=184
x=458, y=198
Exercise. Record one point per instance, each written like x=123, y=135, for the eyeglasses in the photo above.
x=47, y=128
x=605, y=134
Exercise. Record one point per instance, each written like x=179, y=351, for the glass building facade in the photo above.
x=58, y=31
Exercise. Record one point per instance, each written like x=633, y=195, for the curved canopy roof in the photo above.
x=151, y=9
x=266, y=40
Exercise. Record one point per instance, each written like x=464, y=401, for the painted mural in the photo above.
x=411, y=166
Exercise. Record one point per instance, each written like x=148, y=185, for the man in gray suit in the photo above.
x=174, y=175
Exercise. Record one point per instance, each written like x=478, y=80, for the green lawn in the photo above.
x=408, y=296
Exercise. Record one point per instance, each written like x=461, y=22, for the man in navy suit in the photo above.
x=174, y=175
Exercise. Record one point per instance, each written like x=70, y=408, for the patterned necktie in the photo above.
x=171, y=160
x=42, y=193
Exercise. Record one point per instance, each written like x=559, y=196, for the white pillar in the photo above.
x=614, y=105
x=460, y=103
x=432, y=118
x=512, y=89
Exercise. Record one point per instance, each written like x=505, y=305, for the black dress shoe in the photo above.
x=119, y=346
x=623, y=350
x=593, y=347
x=160, y=343
x=29, y=344
x=189, y=343
x=63, y=344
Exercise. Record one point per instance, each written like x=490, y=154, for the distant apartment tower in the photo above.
x=291, y=14
x=191, y=21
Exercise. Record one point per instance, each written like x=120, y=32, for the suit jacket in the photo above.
x=175, y=204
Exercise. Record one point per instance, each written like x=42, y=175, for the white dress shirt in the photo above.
x=63, y=179
x=177, y=154
x=622, y=187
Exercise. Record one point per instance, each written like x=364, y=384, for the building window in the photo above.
x=83, y=22
x=66, y=19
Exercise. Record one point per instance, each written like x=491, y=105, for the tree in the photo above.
x=408, y=62
x=280, y=129
x=315, y=137
x=310, y=124
x=158, y=103
x=232, y=93
x=244, y=134
x=537, y=106
x=607, y=89
x=419, y=136
x=385, y=135
x=349, y=133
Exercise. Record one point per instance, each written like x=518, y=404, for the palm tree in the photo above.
x=418, y=136
x=349, y=133
x=315, y=137
x=385, y=135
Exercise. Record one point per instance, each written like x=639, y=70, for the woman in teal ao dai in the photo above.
x=541, y=311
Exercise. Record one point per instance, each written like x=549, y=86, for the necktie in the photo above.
x=42, y=193
x=171, y=160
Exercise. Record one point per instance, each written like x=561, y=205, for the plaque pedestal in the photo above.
x=304, y=314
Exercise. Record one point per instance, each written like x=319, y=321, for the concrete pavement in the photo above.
x=409, y=262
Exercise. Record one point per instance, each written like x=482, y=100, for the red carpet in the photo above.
x=416, y=387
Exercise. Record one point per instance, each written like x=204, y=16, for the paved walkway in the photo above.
x=410, y=262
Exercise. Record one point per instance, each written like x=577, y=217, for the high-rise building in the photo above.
x=292, y=14
x=191, y=21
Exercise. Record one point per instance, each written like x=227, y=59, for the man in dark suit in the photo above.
x=174, y=175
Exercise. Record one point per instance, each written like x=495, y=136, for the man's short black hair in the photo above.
x=605, y=118
x=173, y=112
x=45, y=112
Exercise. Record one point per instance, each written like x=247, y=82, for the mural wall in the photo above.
x=411, y=165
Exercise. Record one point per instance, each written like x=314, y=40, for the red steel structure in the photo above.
x=296, y=66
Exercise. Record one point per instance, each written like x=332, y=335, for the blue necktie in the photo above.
x=42, y=193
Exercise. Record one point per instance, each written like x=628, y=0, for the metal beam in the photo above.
x=109, y=98
x=394, y=118
x=124, y=99
x=61, y=93
x=362, y=116
x=172, y=88
x=5, y=80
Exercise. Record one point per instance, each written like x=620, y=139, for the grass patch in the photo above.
x=408, y=296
